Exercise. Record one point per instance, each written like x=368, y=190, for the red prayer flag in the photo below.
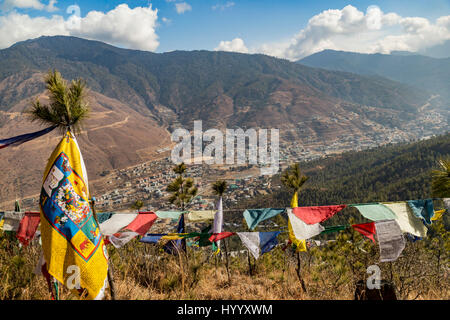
x=142, y=223
x=366, y=229
x=313, y=215
x=28, y=226
x=219, y=236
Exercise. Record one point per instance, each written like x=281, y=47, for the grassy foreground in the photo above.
x=144, y=271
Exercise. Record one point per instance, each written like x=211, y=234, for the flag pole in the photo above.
x=112, y=288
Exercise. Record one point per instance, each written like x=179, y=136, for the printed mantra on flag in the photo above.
x=67, y=211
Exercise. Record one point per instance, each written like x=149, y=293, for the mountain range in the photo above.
x=416, y=70
x=139, y=97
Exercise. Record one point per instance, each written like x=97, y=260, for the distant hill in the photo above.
x=191, y=83
x=420, y=71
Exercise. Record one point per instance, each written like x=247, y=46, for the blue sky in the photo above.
x=265, y=26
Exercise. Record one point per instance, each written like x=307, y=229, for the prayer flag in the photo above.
x=69, y=233
x=438, y=214
x=28, y=226
x=103, y=216
x=120, y=239
x=219, y=236
x=142, y=223
x=407, y=221
x=366, y=229
x=152, y=238
x=422, y=209
x=254, y=216
x=218, y=223
x=12, y=220
x=18, y=140
x=334, y=229
x=390, y=240
x=375, y=211
x=201, y=215
x=301, y=229
x=313, y=215
x=174, y=246
x=447, y=203
x=259, y=243
x=174, y=215
x=300, y=244
x=116, y=223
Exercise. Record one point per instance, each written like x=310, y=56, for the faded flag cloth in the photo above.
x=174, y=246
x=300, y=244
x=220, y=236
x=201, y=215
x=152, y=238
x=117, y=222
x=407, y=221
x=18, y=140
x=390, y=240
x=103, y=216
x=142, y=223
x=218, y=218
x=70, y=234
x=254, y=216
x=120, y=239
x=174, y=215
x=438, y=214
x=375, y=211
x=28, y=226
x=331, y=229
x=366, y=229
x=259, y=243
x=422, y=209
x=218, y=223
x=301, y=229
x=313, y=215
x=447, y=204
x=12, y=220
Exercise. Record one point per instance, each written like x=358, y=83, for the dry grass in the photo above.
x=144, y=272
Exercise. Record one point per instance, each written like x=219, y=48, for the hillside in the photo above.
x=190, y=81
x=139, y=97
x=420, y=71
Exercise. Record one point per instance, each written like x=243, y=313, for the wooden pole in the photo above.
x=112, y=288
x=250, y=269
x=299, y=275
x=226, y=260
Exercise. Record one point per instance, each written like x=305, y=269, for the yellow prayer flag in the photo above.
x=438, y=214
x=300, y=244
x=294, y=201
x=173, y=236
x=72, y=244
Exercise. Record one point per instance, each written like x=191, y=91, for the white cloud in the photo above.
x=349, y=29
x=166, y=20
x=51, y=6
x=235, y=45
x=229, y=4
x=182, y=7
x=8, y=5
x=122, y=26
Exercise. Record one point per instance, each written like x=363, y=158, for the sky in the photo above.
x=289, y=29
